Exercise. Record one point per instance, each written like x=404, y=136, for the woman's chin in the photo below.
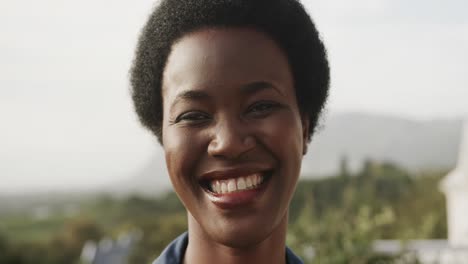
x=240, y=237
x=247, y=232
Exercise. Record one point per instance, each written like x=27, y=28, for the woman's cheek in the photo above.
x=175, y=148
x=183, y=150
x=284, y=128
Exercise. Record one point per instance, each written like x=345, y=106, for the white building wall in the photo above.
x=457, y=214
x=455, y=187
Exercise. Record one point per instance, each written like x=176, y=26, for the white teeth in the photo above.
x=216, y=186
x=223, y=187
x=241, y=184
x=257, y=179
x=231, y=186
x=236, y=184
x=248, y=182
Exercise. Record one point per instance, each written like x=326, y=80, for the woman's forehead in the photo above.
x=232, y=56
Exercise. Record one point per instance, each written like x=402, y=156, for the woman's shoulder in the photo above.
x=174, y=252
x=291, y=258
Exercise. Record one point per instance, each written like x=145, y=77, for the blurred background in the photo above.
x=81, y=180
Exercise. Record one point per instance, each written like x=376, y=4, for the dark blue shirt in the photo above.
x=175, y=251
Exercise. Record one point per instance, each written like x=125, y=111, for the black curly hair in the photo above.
x=285, y=21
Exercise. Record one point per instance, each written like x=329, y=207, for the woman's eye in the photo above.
x=262, y=108
x=192, y=116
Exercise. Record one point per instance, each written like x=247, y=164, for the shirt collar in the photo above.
x=174, y=252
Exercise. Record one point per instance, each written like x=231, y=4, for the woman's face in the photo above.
x=233, y=135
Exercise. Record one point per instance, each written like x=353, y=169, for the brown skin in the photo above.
x=229, y=102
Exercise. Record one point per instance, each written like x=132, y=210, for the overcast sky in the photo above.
x=65, y=111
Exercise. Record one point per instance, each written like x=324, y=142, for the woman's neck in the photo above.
x=202, y=249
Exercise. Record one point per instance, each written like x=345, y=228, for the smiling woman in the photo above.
x=233, y=90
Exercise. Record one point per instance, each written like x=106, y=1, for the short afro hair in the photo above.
x=284, y=21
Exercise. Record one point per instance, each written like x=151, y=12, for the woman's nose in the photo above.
x=230, y=140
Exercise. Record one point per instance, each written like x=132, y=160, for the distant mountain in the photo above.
x=414, y=145
x=150, y=180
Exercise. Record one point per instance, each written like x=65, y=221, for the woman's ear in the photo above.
x=305, y=133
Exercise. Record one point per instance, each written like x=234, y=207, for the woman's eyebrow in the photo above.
x=254, y=87
x=190, y=95
x=197, y=95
